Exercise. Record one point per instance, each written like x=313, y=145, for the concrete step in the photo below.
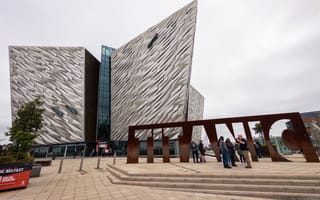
x=234, y=179
x=280, y=189
x=226, y=180
x=257, y=188
x=248, y=176
x=224, y=191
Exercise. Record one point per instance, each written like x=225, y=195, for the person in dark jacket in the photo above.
x=194, y=151
x=241, y=156
x=245, y=150
x=232, y=152
x=202, y=151
x=258, y=148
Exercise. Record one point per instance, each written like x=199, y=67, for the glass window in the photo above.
x=103, y=128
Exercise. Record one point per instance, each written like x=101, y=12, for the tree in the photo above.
x=26, y=126
x=258, y=129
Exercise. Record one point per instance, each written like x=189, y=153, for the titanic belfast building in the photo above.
x=90, y=104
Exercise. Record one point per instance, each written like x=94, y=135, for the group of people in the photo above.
x=196, y=149
x=228, y=151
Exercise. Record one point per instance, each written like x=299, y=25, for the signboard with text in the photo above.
x=15, y=175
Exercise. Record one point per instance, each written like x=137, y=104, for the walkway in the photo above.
x=93, y=183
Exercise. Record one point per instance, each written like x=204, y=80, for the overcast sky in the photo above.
x=250, y=57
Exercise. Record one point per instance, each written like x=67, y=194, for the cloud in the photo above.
x=250, y=57
x=258, y=57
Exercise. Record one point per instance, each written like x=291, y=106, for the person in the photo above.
x=93, y=152
x=194, y=151
x=110, y=151
x=258, y=148
x=74, y=153
x=245, y=150
x=202, y=151
x=241, y=156
x=225, y=152
x=232, y=152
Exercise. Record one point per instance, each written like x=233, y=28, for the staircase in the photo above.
x=260, y=186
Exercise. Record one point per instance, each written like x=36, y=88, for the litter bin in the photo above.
x=36, y=169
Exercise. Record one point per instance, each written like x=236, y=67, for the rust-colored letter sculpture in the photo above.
x=296, y=138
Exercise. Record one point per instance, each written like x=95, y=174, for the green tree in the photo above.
x=258, y=129
x=26, y=126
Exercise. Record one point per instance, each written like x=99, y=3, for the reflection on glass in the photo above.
x=104, y=98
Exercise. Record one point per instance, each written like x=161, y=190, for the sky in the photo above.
x=250, y=57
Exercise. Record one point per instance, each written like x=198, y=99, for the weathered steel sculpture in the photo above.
x=296, y=138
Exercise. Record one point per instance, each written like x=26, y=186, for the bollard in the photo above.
x=114, y=158
x=60, y=166
x=98, y=163
x=81, y=163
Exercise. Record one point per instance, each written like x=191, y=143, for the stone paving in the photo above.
x=91, y=183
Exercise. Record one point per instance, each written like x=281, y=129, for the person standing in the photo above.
x=232, y=152
x=202, y=151
x=245, y=150
x=225, y=152
x=74, y=154
x=241, y=157
x=194, y=151
x=258, y=147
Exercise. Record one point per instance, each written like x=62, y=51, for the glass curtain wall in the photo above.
x=104, y=99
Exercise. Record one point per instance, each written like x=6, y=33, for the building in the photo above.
x=104, y=98
x=147, y=80
x=150, y=78
x=195, y=111
x=312, y=123
x=278, y=144
x=66, y=79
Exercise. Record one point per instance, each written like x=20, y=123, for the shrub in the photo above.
x=14, y=157
x=6, y=159
x=24, y=129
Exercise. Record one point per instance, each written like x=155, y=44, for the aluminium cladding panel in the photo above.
x=150, y=75
x=195, y=111
x=56, y=75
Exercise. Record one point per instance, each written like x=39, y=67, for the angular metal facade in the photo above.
x=150, y=75
x=65, y=78
x=195, y=111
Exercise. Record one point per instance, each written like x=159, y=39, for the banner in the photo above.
x=15, y=175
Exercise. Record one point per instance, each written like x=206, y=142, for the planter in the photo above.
x=15, y=175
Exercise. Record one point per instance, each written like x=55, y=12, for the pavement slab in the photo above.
x=91, y=183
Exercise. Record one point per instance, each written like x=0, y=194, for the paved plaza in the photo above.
x=92, y=183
